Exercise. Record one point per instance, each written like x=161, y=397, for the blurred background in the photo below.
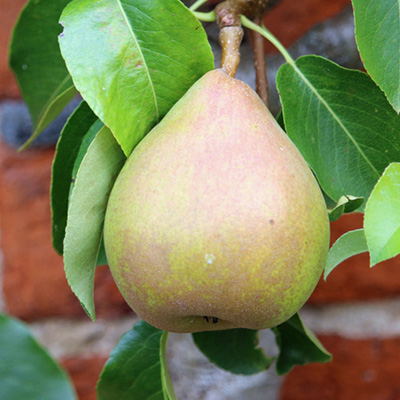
x=356, y=313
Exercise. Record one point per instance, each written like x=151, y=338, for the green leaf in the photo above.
x=82, y=123
x=102, y=257
x=341, y=123
x=26, y=369
x=168, y=389
x=298, y=346
x=37, y=63
x=136, y=367
x=96, y=175
x=382, y=216
x=235, y=350
x=378, y=39
x=346, y=204
x=348, y=245
x=83, y=148
x=140, y=58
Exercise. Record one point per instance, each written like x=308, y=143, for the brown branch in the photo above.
x=259, y=64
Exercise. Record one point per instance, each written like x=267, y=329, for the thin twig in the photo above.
x=259, y=64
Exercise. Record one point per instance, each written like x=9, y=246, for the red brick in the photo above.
x=85, y=373
x=10, y=10
x=290, y=20
x=34, y=280
x=361, y=369
x=354, y=279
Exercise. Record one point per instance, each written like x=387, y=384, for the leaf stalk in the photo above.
x=197, y=5
x=270, y=37
x=205, y=17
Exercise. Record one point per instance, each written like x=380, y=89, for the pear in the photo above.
x=216, y=221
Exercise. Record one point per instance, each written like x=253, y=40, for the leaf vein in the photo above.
x=335, y=117
x=143, y=58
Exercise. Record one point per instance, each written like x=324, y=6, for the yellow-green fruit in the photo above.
x=216, y=221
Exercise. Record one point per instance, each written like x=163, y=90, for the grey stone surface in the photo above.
x=70, y=338
x=379, y=319
x=195, y=378
x=16, y=124
x=333, y=39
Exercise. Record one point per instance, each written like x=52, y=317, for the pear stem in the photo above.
x=230, y=38
x=230, y=34
x=270, y=37
x=227, y=19
x=197, y=5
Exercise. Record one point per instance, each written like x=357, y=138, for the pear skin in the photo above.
x=216, y=221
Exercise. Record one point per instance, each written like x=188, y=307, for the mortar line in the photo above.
x=378, y=319
x=374, y=319
x=68, y=338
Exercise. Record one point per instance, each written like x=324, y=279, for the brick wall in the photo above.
x=8, y=15
x=355, y=313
